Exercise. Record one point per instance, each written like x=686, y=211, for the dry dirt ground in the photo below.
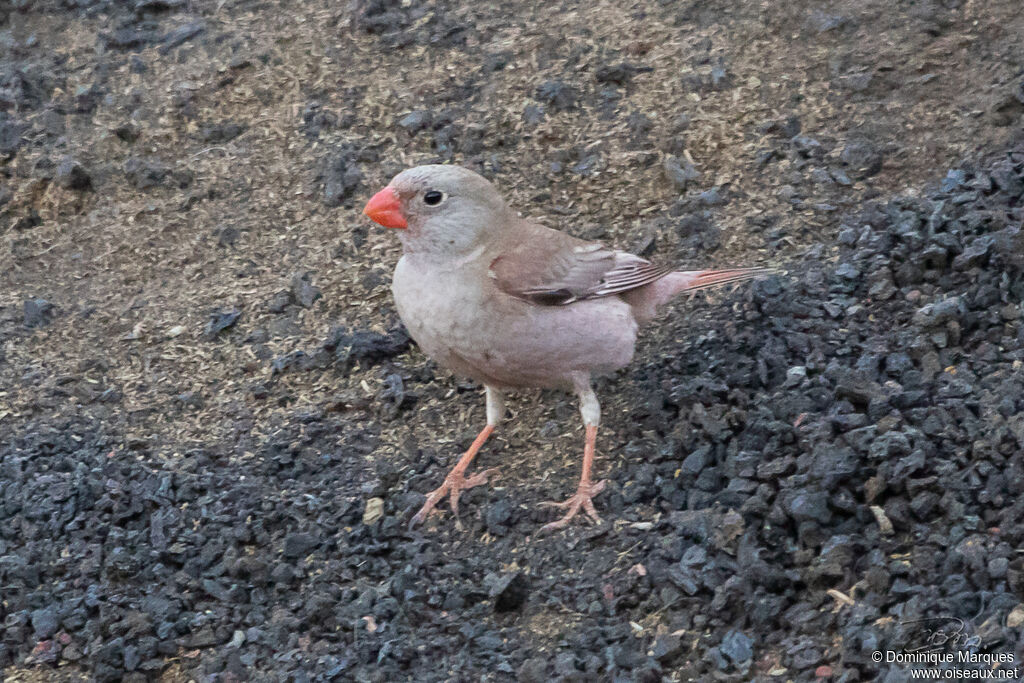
x=187, y=285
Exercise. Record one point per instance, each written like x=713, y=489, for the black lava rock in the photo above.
x=619, y=74
x=364, y=346
x=45, y=622
x=72, y=175
x=38, y=312
x=128, y=132
x=181, y=35
x=557, y=95
x=220, y=321
x=145, y=173
x=737, y=646
x=218, y=133
x=300, y=544
x=862, y=158
x=416, y=121
x=11, y=132
x=302, y=290
x=342, y=177
x=680, y=173
x=510, y=592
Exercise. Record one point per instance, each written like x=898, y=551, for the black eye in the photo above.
x=433, y=197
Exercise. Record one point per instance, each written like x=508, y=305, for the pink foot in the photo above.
x=581, y=500
x=454, y=484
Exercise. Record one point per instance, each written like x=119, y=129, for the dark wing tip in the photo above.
x=550, y=297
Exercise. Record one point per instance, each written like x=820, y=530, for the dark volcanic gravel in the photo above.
x=855, y=426
x=213, y=429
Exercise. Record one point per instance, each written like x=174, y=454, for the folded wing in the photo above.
x=550, y=268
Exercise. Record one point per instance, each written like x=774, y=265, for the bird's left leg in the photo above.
x=590, y=409
x=456, y=481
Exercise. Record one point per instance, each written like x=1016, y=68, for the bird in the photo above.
x=513, y=304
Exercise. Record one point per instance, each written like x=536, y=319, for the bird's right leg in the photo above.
x=590, y=410
x=456, y=481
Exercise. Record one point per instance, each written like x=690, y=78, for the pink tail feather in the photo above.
x=646, y=300
x=696, y=280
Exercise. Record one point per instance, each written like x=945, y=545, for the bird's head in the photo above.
x=446, y=210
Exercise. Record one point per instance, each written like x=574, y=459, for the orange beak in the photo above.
x=385, y=208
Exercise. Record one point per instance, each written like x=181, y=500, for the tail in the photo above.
x=646, y=300
x=696, y=280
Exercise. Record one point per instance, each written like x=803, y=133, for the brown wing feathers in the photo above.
x=550, y=268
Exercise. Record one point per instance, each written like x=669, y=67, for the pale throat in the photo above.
x=447, y=249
